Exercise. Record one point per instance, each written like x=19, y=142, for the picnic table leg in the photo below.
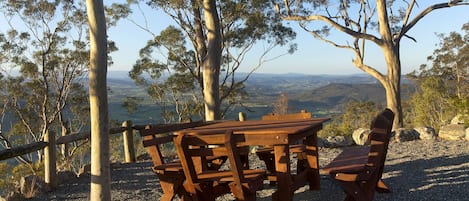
x=313, y=161
x=284, y=179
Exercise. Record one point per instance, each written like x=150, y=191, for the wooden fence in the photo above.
x=50, y=153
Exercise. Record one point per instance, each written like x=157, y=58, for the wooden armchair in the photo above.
x=168, y=169
x=359, y=173
x=205, y=185
x=267, y=153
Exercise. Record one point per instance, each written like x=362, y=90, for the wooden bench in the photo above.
x=168, y=169
x=359, y=170
x=266, y=154
x=205, y=185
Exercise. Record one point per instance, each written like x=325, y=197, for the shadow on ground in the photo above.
x=439, y=178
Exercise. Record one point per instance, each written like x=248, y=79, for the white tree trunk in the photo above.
x=100, y=168
x=211, y=63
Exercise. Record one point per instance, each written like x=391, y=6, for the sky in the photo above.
x=312, y=56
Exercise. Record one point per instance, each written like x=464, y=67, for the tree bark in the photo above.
x=390, y=49
x=100, y=167
x=211, y=63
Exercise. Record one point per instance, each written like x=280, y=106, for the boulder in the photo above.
x=426, y=133
x=403, y=135
x=360, y=136
x=32, y=186
x=458, y=119
x=452, y=132
x=338, y=141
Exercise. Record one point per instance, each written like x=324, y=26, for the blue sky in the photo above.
x=312, y=56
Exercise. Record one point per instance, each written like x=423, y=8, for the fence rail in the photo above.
x=49, y=154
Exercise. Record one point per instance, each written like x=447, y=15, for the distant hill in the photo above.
x=323, y=93
x=339, y=94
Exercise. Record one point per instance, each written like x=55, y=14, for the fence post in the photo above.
x=50, y=174
x=129, y=149
x=64, y=147
x=241, y=116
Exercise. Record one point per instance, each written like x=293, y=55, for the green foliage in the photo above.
x=5, y=178
x=131, y=104
x=356, y=115
x=10, y=175
x=443, y=87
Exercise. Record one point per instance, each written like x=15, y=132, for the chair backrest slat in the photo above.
x=379, y=138
x=155, y=136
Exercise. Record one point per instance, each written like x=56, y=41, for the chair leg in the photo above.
x=242, y=194
x=170, y=186
x=381, y=187
x=237, y=191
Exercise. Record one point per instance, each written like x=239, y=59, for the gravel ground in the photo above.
x=416, y=170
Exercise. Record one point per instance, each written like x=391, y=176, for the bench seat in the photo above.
x=359, y=169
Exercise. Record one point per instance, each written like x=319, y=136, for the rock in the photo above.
x=426, y=133
x=32, y=186
x=452, y=132
x=360, y=136
x=458, y=119
x=338, y=141
x=403, y=135
x=66, y=177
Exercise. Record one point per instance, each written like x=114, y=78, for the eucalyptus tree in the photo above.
x=52, y=63
x=100, y=167
x=359, y=20
x=220, y=35
x=443, y=86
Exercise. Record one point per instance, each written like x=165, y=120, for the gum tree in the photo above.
x=44, y=41
x=359, y=20
x=100, y=167
x=220, y=35
x=443, y=86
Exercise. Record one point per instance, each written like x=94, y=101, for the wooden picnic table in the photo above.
x=279, y=134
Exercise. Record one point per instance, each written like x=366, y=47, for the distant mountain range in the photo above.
x=312, y=92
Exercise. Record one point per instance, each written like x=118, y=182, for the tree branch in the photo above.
x=406, y=28
x=335, y=25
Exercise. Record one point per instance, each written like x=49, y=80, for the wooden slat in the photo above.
x=157, y=140
x=300, y=115
x=165, y=128
x=279, y=127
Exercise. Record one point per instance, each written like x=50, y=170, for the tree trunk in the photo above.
x=211, y=63
x=393, y=84
x=390, y=48
x=100, y=168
